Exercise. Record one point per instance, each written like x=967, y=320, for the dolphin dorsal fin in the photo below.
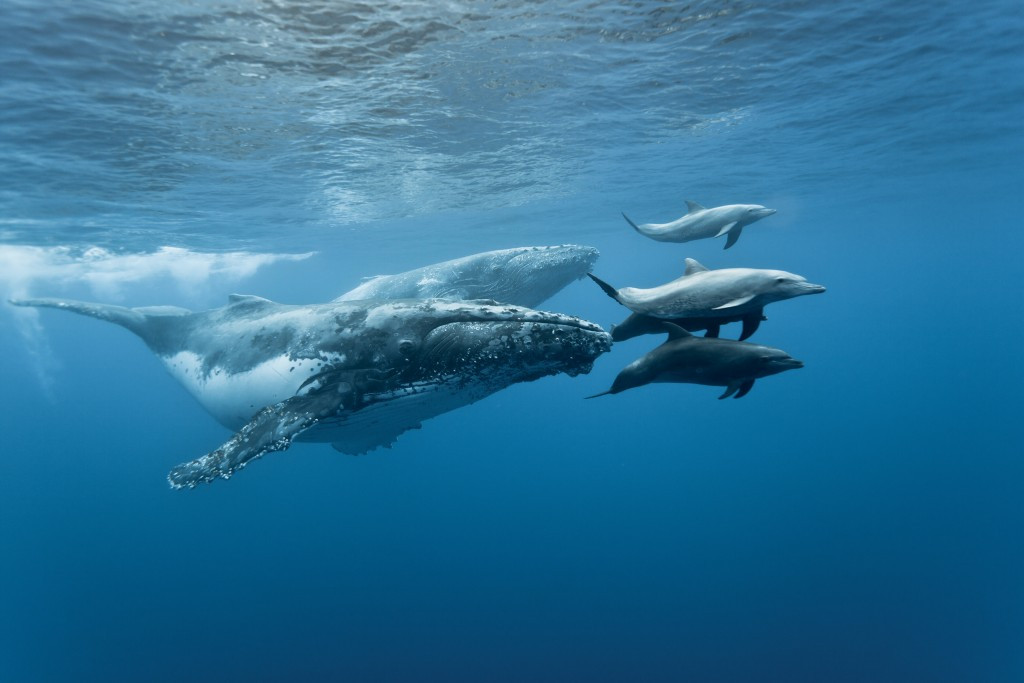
x=692, y=206
x=251, y=299
x=694, y=266
x=676, y=332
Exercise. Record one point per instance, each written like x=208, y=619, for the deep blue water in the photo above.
x=858, y=520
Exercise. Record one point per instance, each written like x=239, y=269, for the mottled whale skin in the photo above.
x=524, y=276
x=685, y=358
x=701, y=223
x=701, y=294
x=355, y=374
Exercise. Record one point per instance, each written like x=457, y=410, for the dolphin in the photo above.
x=700, y=223
x=727, y=293
x=355, y=374
x=524, y=276
x=637, y=324
x=702, y=360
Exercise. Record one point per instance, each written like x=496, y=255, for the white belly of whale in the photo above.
x=234, y=397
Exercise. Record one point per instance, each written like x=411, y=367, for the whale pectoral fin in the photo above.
x=751, y=321
x=734, y=303
x=726, y=228
x=734, y=235
x=745, y=389
x=713, y=331
x=272, y=429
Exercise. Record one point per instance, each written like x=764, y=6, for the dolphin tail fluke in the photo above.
x=608, y=289
x=120, y=315
x=635, y=226
x=603, y=393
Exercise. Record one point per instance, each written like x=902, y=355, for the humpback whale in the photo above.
x=704, y=360
x=700, y=223
x=356, y=374
x=525, y=276
x=702, y=295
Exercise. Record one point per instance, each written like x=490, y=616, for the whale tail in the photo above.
x=138, y=320
x=608, y=289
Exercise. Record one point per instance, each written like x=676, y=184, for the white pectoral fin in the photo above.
x=726, y=228
x=272, y=429
x=734, y=303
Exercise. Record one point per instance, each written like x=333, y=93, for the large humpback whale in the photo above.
x=702, y=295
x=701, y=223
x=525, y=276
x=355, y=374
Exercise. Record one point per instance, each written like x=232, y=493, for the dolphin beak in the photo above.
x=815, y=289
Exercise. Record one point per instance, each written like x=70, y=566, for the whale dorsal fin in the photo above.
x=676, y=332
x=692, y=206
x=250, y=299
x=694, y=266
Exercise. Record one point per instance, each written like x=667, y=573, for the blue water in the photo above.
x=858, y=520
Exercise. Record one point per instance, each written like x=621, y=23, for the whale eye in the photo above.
x=406, y=346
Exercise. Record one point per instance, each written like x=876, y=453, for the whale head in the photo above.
x=524, y=276
x=528, y=276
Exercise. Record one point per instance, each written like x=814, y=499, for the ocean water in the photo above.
x=860, y=519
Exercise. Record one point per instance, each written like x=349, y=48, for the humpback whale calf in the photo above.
x=354, y=374
x=704, y=360
x=525, y=276
x=700, y=223
x=702, y=296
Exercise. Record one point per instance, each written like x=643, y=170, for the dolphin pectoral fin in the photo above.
x=726, y=228
x=734, y=235
x=692, y=206
x=745, y=389
x=734, y=303
x=607, y=288
x=751, y=322
x=271, y=429
x=729, y=391
x=713, y=331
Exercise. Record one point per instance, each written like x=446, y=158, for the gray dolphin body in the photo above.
x=525, y=276
x=686, y=358
x=701, y=223
x=703, y=295
x=355, y=374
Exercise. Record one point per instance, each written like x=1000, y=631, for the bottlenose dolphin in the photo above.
x=700, y=223
x=355, y=374
x=524, y=276
x=728, y=293
x=637, y=324
x=702, y=360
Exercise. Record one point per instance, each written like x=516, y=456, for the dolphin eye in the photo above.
x=406, y=346
x=780, y=279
